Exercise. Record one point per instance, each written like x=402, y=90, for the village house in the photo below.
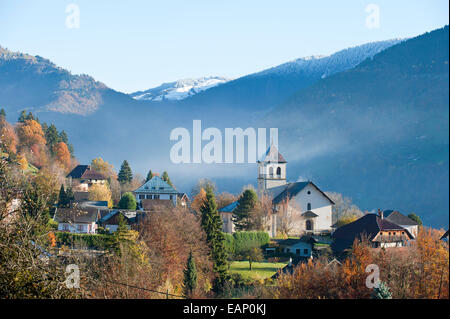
x=77, y=220
x=157, y=192
x=110, y=221
x=83, y=176
x=301, y=247
x=379, y=231
x=226, y=214
x=404, y=221
x=301, y=206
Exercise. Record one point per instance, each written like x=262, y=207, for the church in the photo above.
x=298, y=208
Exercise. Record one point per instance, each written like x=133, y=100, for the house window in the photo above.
x=288, y=250
x=80, y=228
x=149, y=196
x=156, y=197
x=171, y=197
x=309, y=225
x=141, y=196
x=308, y=207
x=278, y=171
x=305, y=251
x=309, y=192
x=297, y=251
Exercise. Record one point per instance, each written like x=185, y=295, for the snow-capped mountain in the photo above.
x=328, y=65
x=179, y=90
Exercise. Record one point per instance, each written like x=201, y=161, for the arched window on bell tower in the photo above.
x=278, y=171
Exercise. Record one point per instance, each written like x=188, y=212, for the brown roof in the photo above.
x=368, y=225
x=91, y=174
x=156, y=204
x=78, y=171
x=85, y=172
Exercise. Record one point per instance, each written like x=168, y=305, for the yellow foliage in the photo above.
x=100, y=192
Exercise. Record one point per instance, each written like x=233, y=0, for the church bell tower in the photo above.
x=271, y=170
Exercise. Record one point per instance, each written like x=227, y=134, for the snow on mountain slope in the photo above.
x=179, y=90
x=335, y=63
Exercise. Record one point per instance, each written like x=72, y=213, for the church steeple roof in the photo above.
x=273, y=155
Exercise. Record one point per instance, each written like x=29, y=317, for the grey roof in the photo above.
x=130, y=215
x=293, y=241
x=398, y=218
x=291, y=189
x=90, y=203
x=156, y=186
x=272, y=155
x=75, y=215
x=309, y=214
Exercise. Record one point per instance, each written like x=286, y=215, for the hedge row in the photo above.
x=242, y=241
x=98, y=241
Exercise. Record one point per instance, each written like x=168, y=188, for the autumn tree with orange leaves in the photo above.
x=30, y=133
x=62, y=154
x=418, y=271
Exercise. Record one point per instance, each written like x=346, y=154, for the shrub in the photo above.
x=127, y=201
x=229, y=244
x=83, y=240
x=243, y=241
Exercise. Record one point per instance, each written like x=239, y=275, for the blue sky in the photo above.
x=134, y=45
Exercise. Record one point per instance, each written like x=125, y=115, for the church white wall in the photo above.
x=320, y=205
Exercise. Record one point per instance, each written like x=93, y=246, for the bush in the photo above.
x=53, y=224
x=243, y=241
x=229, y=244
x=127, y=201
x=83, y=240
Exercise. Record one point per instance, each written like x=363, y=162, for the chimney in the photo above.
x=380, y=213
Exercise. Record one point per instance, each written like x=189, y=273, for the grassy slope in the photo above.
x=260, y=270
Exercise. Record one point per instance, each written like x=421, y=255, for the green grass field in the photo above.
x=260, y=270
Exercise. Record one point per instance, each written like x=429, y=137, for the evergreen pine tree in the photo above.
x=415, y=218
x=2, y=113
x=22, y=117
x=63, y=201
x=122, y=236
x=165, y=177
x=381, y=292
x=246, y=204
x=149, y=176
x=125, y=175
x=52, y=138
x=212, y=225
x=69, y=194
x=190, y=277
